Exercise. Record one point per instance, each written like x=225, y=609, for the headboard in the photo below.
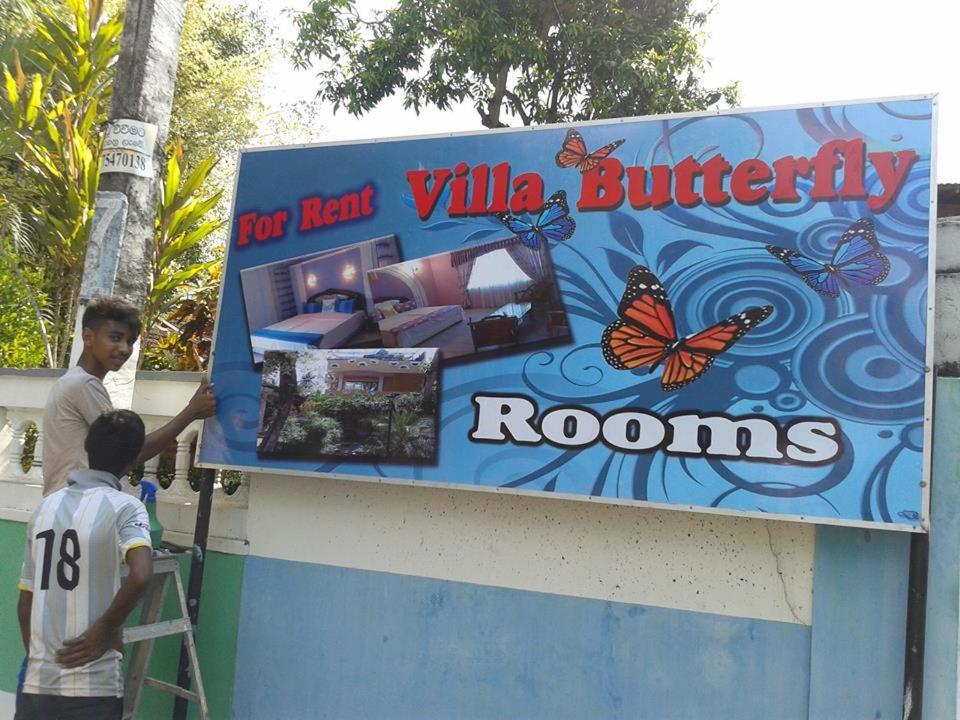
x=361, y=300
x=385, y=298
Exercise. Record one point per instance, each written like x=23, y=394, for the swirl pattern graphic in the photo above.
x=843, y=368
x=734, y=280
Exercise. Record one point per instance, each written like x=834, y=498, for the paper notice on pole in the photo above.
x=128, y=148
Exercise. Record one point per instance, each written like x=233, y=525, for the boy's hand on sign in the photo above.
x=203, y=404
x=89, y=646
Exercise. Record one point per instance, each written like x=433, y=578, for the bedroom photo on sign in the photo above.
x=361, y=404
x=496, y=296
x=315, y=301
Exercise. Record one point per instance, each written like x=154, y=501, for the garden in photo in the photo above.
x=365, y=404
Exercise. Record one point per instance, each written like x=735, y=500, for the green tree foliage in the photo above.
x=50, y=148
x=224, y=51
x=56, y=72
x=541, y=61
x=21, y=344
x=184, y=222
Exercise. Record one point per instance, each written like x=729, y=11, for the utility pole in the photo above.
x=119, y=257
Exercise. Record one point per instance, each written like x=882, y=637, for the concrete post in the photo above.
x=142, y=92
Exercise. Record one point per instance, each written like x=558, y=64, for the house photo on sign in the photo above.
x=349, y=403
x=726, y=312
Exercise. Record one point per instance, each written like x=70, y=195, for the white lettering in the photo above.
x=512, y=419
x=813, y=441
x=496, y=413
x=724, y=433
x=570, y=426
x=633, y=431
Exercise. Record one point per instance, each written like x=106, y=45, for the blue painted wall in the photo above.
x=859, y=624
x=943, y=585
x=326, y=642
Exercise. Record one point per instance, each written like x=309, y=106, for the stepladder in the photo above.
x=166, y=569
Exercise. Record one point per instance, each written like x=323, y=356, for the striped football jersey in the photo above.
x=77, y=540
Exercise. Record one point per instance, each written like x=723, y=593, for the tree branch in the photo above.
x=517, y=105
x=492, y=117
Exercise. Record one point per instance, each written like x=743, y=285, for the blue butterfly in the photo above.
x=553, y=222
x=856, y=259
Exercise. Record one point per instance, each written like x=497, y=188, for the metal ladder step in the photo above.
x=165, y=567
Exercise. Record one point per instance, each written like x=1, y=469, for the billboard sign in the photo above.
x=719, y=311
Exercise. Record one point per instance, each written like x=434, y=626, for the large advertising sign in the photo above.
x=725, y=312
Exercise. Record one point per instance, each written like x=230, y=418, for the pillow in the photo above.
x=346, y=305
x=388, y=311
x=405, y=306
x=329, y=304
x=386, y=303
x=311, y=307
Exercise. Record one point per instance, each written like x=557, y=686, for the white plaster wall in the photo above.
x=947, y=345
x=707, y=563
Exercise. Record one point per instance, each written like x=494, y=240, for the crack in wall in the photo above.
x=783, y=581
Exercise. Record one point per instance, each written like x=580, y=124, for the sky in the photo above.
x=781, y=53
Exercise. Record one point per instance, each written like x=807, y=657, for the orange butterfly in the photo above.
x=574, y=152
x=646, y=334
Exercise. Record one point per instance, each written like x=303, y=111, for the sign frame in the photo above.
x=924, y=521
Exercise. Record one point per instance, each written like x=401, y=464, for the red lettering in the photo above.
x=478, y=201
x=501, y=187
x=600, y=189
x=458, y=191
x=892, y=170
x=745, y=176
x=244, y=227
x=264, y=228
x=714, y=171
x=426, y=200
x=853, y=172
x=310, y=213
x=527, y=193
x=659, y=195
x=350, y=206
x=825, y=165
x=330, y=211
x=279, y=219
x=787, y=169
x=366, y=200
x=684, y=173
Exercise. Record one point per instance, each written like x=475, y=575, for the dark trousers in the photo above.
x=56, y=707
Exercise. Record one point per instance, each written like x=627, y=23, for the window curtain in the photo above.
x=529, y=260
x=464, y=271
x=493, y=296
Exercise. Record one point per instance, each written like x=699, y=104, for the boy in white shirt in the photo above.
x=110, y=328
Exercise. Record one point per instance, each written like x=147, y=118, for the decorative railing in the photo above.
x=157, y=397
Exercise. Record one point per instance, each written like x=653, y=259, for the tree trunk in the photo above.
x=286, y=400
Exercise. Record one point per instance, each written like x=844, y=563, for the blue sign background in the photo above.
x=858, y=359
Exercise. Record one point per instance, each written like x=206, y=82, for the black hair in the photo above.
x=114, y=441
x=113, y=308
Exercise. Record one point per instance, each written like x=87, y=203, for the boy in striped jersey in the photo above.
x=72, y=605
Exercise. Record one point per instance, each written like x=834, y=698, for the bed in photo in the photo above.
x=321, y=300
x=362, y=404
x=495, y=296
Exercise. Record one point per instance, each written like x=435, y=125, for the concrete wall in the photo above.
x=947, y=346
x=364, y=600
x=412, y=602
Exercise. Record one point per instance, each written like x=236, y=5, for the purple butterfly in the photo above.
x=856, y=259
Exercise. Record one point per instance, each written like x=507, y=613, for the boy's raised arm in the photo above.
x=202, y=405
